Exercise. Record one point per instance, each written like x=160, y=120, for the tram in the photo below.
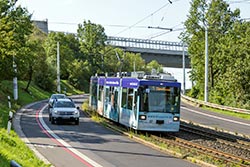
x=138, y=101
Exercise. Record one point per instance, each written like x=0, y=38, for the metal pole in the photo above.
x=15, y=86
x=9, y=122
x=183, y=66
x=134, y=65
x=14, y=164
x=58, y=69
x=206, y=66
x=9, y=102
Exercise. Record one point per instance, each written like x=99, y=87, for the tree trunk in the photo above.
x=30, y=78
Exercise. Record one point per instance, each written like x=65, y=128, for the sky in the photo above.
x=121, y=18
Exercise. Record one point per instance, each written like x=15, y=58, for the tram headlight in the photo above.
x=142, y=117
x=175, y=119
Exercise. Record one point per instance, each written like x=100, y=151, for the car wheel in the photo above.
x=77, y=122
x=52, y=120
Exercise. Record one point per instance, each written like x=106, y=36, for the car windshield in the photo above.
x=58, y=96
x=64, y=104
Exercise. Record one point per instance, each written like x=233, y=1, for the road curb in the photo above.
x=19, y=131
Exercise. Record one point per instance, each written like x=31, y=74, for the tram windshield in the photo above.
x=159, y=99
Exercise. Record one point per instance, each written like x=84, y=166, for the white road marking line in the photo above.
x=65, y=144
x=212, y=116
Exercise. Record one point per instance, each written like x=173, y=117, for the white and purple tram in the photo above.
x=148, y=103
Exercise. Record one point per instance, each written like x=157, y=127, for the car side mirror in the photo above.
x=78, y=108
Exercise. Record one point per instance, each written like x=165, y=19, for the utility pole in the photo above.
x=58, y=69
x=121, y=62
x=206, y=66
x=15, y=86
x=183, y=66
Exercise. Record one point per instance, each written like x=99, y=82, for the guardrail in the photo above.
x=216, y=106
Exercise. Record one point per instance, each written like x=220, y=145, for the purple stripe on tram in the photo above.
x=112, y=82
x=101, y=81
x=130, y=82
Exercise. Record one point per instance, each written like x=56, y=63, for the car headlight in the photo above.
x=55, y=111
x=76, y=112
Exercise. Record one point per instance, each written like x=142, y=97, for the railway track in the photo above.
x=193, y=150
x=198, y=143
x=235, y=145
x=213, y=148
x=230, y=149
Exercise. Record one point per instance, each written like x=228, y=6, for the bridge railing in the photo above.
x=145, y=43
x=142, y=43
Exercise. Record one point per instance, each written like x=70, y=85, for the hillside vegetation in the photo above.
x=228, y=37
x=11, y=146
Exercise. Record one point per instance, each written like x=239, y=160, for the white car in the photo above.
x=64, y=110
x=55, y=96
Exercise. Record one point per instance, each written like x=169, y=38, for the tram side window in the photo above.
x=111, y=95
x=107, y=94
x=124, y=97
x=175, y=98
x=100, y=93
x=93, y=92
x=130, y=98
x=115, y=99
x=143, y=102
x=135, y=101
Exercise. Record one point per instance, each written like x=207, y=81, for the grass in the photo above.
x=11, y=146
x=224, y=112
x=229, y=113
x=69, y=89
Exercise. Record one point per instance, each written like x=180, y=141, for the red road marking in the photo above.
x=58, y=143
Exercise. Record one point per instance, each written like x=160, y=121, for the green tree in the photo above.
x=133, y=62
x=15, y=27
x=154, y=65
x=79, y=76
x=33, y=53
x=232, y=86
x=219, y=20
x=69, y=52
x=92, y=41
x=119, y=60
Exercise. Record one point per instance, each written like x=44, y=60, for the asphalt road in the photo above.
x=215, y=120
x=89, y=144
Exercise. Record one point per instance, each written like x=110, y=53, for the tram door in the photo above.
x=135, y=103
x=100, y=100
x=106, y=101
x=116, y=105
x=135, y=108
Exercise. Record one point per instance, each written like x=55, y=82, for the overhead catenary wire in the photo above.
x=169, y=2
x=166, y=32
x=108, y=25
x=172, y=29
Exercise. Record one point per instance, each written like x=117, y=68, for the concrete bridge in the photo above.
x=169, y=54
